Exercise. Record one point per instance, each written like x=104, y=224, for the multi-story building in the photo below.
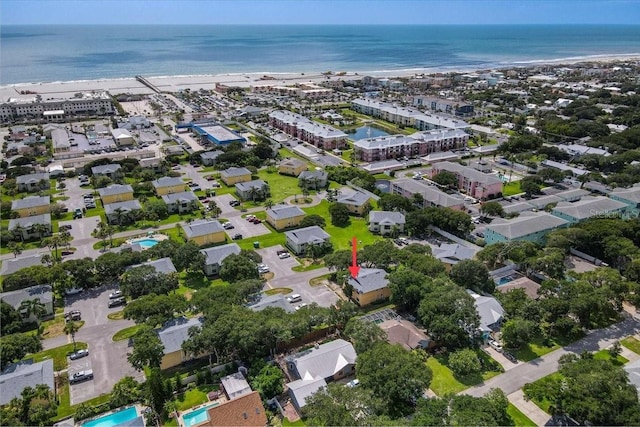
x=320, y=135
x=474, y=183
x=419, y=144
x=431, y=195
x=449, y=106
x=52, y=110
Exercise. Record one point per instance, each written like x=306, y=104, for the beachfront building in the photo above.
x=35, y=108
x=33, y=182
x=406, y=116
x=318, y=134
x=472, y=182
x=443, y=105
x=31, y=206
x=529, y=226
x=431, y=195
x=204, y=232
x=284, y=216
x=115, y=193
x=415, y=145
x=306, y=90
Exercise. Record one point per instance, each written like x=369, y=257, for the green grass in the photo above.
x=341, y=236
x=316, y=281
x=519, y=419
x=445, y=381
x=287, y=423
x=545, y=404
x=511, y=188
x=281, y=186
x=534, y=350
x=193, y=397
x=126, y=333
x=118, y=315
x=64, y=400
x=632, y=344
x=275, y=291
x=58, y=354
x=266, y=240
x=312, y=266
x=604, y=355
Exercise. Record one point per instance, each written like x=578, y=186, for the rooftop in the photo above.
x=183, y=196
x=325, y=360
x=217, y=254
x=127, y=205
x=29, y=221
x=18, y=376
x=14, y=298
x=30, y=202
x=284, y=211
x=357, y=198
x=386, y=217
x=167, y=181
x=526, y=224
x=235, y=172
x=404, y=333
x=175, y=332
x=244, y=411
x=162, y=265
x=467, y=172
x=589, y=207
x=115, y=189
x=235, y=385
x=369, y=280
x=313, y=234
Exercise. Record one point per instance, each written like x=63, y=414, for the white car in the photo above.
x=496, y=345
x=115, y=294
x=284, y=255
x=353, y=383
x=303, y=305
x=263, y=268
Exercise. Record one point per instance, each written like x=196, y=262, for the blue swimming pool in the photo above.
x=198, y=416
x=114, y=419
x=146, y=243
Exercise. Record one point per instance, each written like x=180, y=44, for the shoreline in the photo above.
x=174, y=83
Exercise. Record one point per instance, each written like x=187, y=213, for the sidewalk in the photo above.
x=530, y=409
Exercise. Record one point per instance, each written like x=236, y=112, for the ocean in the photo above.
x=31, y=54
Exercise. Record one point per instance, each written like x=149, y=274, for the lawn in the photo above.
x=511, y=188
x=193, y=397
x=126, y=333
x=275, y=291
x=281, y=186
x=544, y=404
x=632, y=344
x=445, y=381
x=536, y=349
x=604, y=355
x=55, y=326
x=341, y=236
x=519, y=419
x=58, y=354
x=287, y=423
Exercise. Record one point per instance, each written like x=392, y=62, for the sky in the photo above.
x=309, y=12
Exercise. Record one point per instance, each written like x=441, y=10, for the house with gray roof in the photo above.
x=232, y=176
x=110, y=171
x=370, y=286
x=114, y=211
x=43, y=293
x=315, y=179
x=452, y=253
x=235, y=385
x=431, y=195
x=162, y=265
x=292, y=167
x=516, y=208
x=630, y=196
x=573, y=195
x=490, y=312
x=33, y=182
x=301, y=390
x=214, y=257
x=590, y=207
x=13, y=265
x=115, y=193
x=183, y=202
x=386, y=222
x=284, y=216
x=272, y=301
x=204, y=231
x=28, y=227
x=18, y=376
x=298, y=240
x=172, y=335
x=356, y=202
x=209, y=157
x=253, y=190
x=167, y=185
x=529, y=226
x=31, y=205
x=544, y=201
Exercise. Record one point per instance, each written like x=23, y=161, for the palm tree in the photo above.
x=268, y=203
x=70, y=328
x=304, y=182
x=15, y=247
x=53, y=243
x=18, y=232
x=33, y=307
x=42, y=230
x=119, y=212
x=253, y=192
x=100, y=232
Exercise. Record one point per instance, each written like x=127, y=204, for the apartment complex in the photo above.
x=449, y=106
x=415, y=145
x=308, y=90
x=322, y=136
x=56, y=110
x=475, y=183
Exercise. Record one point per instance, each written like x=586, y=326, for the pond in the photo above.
x=366, y=132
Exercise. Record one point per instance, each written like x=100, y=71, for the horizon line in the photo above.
x=322, y=24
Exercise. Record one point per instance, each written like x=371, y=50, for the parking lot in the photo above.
x=279, y=267
x=246, y=228
x=223, y=204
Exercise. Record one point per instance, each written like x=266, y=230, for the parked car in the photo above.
x=234, y=203
x=77, y=213
x=303, y=305
x=117, y=302
x=256, y=221
x=283, y=255
x=79, y=354
x=263, y=268
x=228, y=226
x=73, y=315
x=250, y=217
x=294, y=298
x=496, y=345
x=81, y=376
x=353, y=383
x=510, y=357
x=64, y=227
x=115, y=294
x=237, y=236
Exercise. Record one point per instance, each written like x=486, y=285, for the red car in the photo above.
x=256, y=221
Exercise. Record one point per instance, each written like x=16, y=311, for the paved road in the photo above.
x=516, y=378
x=299, y=283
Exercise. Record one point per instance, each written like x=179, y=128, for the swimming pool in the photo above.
x=198, y=416
x=114, y=419
x=145, y=243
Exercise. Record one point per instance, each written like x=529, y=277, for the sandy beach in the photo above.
x=130, y=85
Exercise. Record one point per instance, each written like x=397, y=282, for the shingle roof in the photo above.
x=127, y=205
x=488, y=308
x=183, y=196
x=632, y=194
x=284, y=211
x=358, y=198
x=30, y=221
x=32, y=177
x=573, y=194
x=369, y=279
x=167, y=181
x=30, y=202
x=175, y=332
x=293, y=162
x=588, y=207
x=235, y=172
x=110, y=168
x=211, y=155
x=247, y=186
x=313, y=234
x=326, y=360
x=217, y=254
x=303, y=389
x=320, y=175
x=114, y=189
x=162, y=265
x=244, y=411
x=525, y=224
x=275, y=301
x=18, y=376
x=452, y=252
x=404, y=333
x=12, y=265
x=430, y=193
x=201, y=227
x=386, y=217
x=543, y=201
x=15, y=298
x=235, y=385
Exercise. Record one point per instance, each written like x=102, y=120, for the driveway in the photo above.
x=223, y=204
x=299, y=284
x=279, y=267
x=82, y=228
x=246, y=228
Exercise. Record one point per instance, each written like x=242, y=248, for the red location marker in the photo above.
x=355, y=268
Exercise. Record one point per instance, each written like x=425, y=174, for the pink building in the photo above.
x=416, y=145
x=470, y=181
x=318, y=134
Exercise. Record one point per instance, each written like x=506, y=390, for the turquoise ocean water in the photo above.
x=61, y=53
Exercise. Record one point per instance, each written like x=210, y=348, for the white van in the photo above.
x=294, y=298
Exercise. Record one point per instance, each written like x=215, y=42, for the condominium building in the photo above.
x=52, y=110
x=415, y=145
x=475, y=183
x=320, y=135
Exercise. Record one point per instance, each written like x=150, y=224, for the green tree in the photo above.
x=407, y=288
x=16, y=346
x=156, y=392
x=446, y=179
x=71, y=328
x=15, y=248
x=125, y=391
x=472, y=274
x=396, y=376
x=10, y=319
x=465, y=362
x=188, y=257
x=147, y=349
x=363, y=335
x=492, y=208
x=337, y=405
x=236, y=268
x=155, y=309
x=381, y=254
x=33, y=307
x=269, y=382
x=145, y=279
x=339, y=215
x=311, y=220
x=339, y=260
x=517, y=332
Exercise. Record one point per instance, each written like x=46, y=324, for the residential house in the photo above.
x=168, y=185
x=43, y=293
x=13, y=265
x=115, y=193
x=122, y=137
x=315, y=367
x=452, y=253
x=172, y=335
x=385, y=222
x=245, y=411
x=253, y=190
x=233, y=176
x=574, y=195
x=204, y=232
x=529, y=226
x=116, y=213
x=182, y=202
x=406, y=334
x=235, y=385
x=161, y=265
x=590, y=207
x=31, y=227
x=214, y=257
x=472, y=182
x=370, y=286
x=33, y=182
x=357, y=202
x=298, y=240
x=209, y=157
x=18, y=376
x=630, y=196
x=111, y=170
x=284, y=216
x=292, y=166
x=315, y=179
x=431, y=195
x=522, y=282
x=31, y=206
x=490, y=312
